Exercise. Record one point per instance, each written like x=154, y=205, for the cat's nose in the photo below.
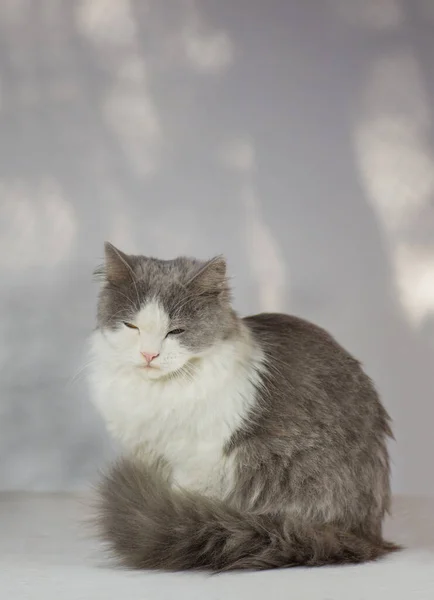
x=149, y=356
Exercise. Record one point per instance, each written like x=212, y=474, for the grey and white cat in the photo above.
x=251, y=443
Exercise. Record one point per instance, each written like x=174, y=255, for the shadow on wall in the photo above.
x=296, y=138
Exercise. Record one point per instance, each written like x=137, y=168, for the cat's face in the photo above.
x=161, y=316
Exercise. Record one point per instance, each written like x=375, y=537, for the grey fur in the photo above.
x=312, y=482
x=150, y=525
x=194, y=293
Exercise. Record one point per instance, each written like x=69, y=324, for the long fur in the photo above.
x=149, y=524
x=272, y=440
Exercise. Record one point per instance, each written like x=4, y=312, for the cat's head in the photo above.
x=160, y=315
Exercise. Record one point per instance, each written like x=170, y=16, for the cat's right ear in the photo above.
x=117, y=267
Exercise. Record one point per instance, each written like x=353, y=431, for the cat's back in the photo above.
x=314, y=392
x=306, y=365
x=296, y=339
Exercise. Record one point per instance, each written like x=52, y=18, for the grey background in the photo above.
x=294, y=136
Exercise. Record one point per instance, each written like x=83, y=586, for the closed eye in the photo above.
x=130, y=325
x=176, y=332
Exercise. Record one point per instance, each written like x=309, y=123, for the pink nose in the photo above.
x=148, y=356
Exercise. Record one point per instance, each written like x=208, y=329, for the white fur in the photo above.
x=186, y=417
x=123, y=345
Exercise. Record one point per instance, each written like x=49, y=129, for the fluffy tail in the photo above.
x=150, y=525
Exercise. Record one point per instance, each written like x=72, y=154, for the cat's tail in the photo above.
x=150, y=525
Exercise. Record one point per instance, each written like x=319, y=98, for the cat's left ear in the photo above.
x=211, y=278
x=117, y=267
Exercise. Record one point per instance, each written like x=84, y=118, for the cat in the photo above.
x=251, y=443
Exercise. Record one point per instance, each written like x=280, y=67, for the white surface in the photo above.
x=46, y=553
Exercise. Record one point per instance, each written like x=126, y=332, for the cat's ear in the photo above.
x=211, y=278
x=117, y=267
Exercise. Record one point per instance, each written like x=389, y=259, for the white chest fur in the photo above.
x=188, y=421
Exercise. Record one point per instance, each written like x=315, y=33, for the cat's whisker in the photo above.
x=75, y=377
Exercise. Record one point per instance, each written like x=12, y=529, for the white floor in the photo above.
x=47, y=552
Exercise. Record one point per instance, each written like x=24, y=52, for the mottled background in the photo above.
x=294, y=136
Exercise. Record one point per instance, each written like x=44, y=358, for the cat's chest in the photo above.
x=189, y=425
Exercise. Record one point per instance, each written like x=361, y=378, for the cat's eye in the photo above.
x=130, y=325
x=176, y=331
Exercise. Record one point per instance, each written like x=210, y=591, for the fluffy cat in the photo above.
x=251, y=443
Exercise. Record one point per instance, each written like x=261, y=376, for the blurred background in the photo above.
x=296, y=137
